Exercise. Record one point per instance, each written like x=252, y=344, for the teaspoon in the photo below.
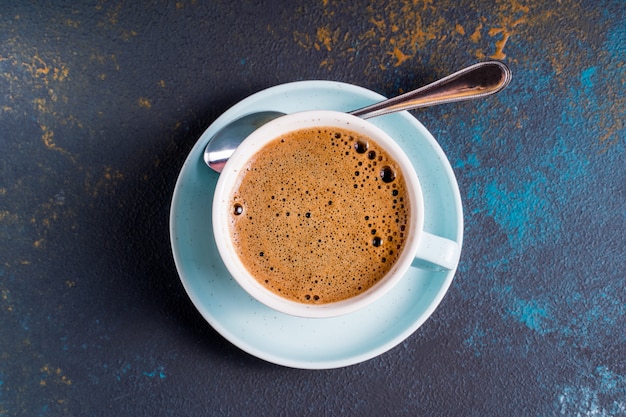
x=476, y=81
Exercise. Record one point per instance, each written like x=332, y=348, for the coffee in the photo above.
x=320, y=215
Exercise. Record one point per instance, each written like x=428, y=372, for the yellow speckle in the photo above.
x=494, y=31
x=38, y=243
x=499, y=54
x=53, y=376
x=47, y=137
x=70, y=284
x=518, y=7
x=380, y=24
x=519, y=22
x=421, y=36
x=324, y=37
x=111, y=173
x=72, y=23
x=112, y=15
x=42, y=70
x=60, y=74
x=400, y=56
x=127, y=34
x=106, y=183
x=302, y=39
x=7, y=216
x=40, y=104
x=145, y=103
x=328, y=63
x=459, y=29
x=475, y=37
x=162, y=83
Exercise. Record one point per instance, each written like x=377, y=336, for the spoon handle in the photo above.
x=475, y=81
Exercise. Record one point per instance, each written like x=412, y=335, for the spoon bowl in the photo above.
x=222, y=145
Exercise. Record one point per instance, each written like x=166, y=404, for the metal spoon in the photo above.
x=476, y=81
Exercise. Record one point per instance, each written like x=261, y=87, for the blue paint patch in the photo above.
x=471, y=161
x=587, y=77
x=159, y=371
x=614, y=43
x=24, y=323
x=601, y=394
x=598, y=314
x=476, y=340
x=609, y=381
x=524, y=212
x=531, y=313
x=123, y=371
x=44, y=410
x=599, y=90
x=573, y=164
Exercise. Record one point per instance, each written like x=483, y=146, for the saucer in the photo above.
x=293, y=341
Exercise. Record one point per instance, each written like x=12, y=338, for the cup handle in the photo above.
x=436, y=253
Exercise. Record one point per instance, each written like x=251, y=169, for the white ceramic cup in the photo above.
x=420, y=247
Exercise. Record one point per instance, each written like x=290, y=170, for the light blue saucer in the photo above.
x=298, y=342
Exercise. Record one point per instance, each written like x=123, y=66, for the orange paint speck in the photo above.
x=475, y=37
x=145, y=103
x=324, y=37
x=400, y=56
x=380, y=24
x=499, y=54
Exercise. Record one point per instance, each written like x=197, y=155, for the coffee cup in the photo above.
x=320, y=213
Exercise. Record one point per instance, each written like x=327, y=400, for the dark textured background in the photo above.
x=100, y=101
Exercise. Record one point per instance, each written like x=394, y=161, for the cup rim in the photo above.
x=227, y=181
